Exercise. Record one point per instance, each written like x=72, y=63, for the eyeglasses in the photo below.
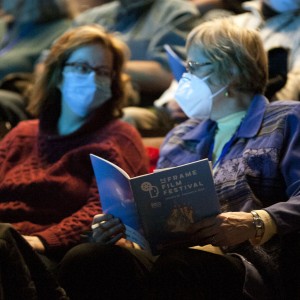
x=193, y=66
x=84, y=68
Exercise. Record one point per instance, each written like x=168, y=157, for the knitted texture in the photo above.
x=47, y=185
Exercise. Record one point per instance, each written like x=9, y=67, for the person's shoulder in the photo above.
x=94, y=14
x=28, y=128
x=288, y=105
x=281, y=109
x=62, y=24
x=176, y=6
x=247, y=19
x=120, y=129
x=184, y=127
x=51, y=29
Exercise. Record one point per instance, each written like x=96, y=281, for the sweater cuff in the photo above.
x=270, y=227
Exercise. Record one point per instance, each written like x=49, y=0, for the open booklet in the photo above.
x=157, y=208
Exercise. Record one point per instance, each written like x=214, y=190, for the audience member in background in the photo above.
x=27, y=28
x=158, y=119
x=146, y=25
x=253, y=145
x=205, y=6
x=278, y=23
x=82, y=5
x=47, y=189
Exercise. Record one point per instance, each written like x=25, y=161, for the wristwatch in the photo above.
x=259, y=226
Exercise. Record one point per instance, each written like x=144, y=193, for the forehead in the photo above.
x=94, y=54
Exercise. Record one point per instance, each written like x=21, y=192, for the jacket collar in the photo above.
x=254, y=117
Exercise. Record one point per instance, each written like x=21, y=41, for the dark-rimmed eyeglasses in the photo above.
x=84, y=68
x=193, y=66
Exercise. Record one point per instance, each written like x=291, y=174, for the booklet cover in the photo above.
x=157, y=208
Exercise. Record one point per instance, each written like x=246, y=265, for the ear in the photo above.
x=232, y=81
x=234, y=70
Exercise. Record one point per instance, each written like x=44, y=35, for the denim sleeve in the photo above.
x=287, y=214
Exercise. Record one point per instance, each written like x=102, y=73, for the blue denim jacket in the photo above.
x=261, y=169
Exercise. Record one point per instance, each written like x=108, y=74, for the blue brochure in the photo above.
x=157, y=208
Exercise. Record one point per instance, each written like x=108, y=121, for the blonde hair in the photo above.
x=236, y=54
x=46, y=94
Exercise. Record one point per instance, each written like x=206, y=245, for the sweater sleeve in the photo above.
x=68, y=232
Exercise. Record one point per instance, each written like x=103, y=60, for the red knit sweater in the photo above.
x=47, y=185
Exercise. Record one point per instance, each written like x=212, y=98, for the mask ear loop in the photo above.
x=206, y=77
x=220, y=91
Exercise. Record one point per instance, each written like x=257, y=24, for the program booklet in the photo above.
x=157, y=208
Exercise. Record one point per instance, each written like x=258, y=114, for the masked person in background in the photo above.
x=278, y=23
x=48, y=192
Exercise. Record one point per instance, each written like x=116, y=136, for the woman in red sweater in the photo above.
x=47, y=187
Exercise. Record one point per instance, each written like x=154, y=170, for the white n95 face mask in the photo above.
x=83, y=93
x=194, y=96
x=283, y=5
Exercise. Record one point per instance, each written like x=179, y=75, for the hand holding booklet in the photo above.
x=157, y=208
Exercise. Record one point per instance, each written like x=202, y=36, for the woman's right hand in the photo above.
x=107, y=229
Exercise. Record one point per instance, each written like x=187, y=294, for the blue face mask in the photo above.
x=83, y=93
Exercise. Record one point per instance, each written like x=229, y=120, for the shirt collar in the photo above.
x=256, y=8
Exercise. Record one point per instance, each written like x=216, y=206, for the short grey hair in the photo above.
x=236, y=53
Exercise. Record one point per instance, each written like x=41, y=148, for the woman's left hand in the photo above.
x=225, y=229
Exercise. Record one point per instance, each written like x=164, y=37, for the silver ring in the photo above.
x=99, y=225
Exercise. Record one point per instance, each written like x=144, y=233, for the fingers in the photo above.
x=207, y=231
x=102, y=217
x=225, y=229
x=115, y=239
x=212, y=239
x=107, y=229
x=205, y=226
